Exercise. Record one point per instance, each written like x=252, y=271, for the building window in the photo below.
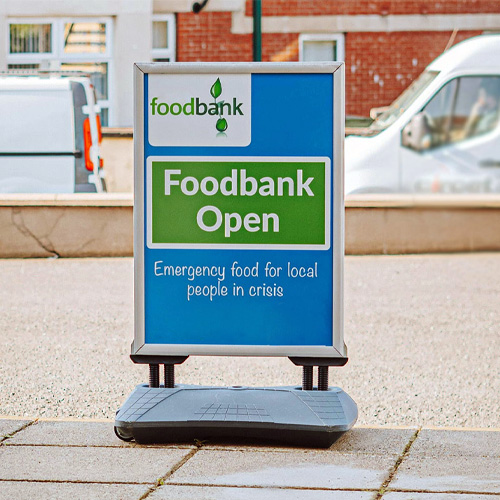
x=30, y=38
x=66, y=45
x=163, y=49
x=23, y=67
x=85, y=38
x=321, y=47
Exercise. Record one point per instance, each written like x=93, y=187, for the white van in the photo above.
x=441, y=135
x=50, y=136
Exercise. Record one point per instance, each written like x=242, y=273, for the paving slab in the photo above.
x=62, y=433
x=110, y=465
x=451, y=461
x=306, y=469
x=21, y=490
x=215, y=493
x=437, y=443
x=467, y=474
x=374, y=441
x=7, y=427
x=435, y=496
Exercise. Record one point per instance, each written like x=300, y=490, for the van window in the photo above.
x=465, y=107
x=477, y=109
x=438, y=113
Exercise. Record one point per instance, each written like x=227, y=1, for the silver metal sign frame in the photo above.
x=139, y=346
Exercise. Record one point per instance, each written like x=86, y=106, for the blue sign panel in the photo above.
x=239, y=210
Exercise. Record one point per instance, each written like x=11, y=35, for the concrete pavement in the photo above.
x=48, y=459
x=422, y=334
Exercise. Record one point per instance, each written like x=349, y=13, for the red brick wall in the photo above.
x=207, y=37
x=378, y=7
x=379, y=66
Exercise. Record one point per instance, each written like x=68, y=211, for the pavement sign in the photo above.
x=239, y=219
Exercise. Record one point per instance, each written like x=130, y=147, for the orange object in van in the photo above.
x=87, y=142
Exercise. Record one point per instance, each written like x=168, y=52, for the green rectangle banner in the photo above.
x=239, y=202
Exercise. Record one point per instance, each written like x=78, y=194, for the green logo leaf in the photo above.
x=221, y=124
x=216, y=89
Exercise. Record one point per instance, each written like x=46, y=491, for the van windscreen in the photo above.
x=403, y=102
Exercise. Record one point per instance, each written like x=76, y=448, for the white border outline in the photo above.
x=235, y=159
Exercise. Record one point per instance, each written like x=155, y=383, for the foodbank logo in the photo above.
x=197, y=107
x=215, y=92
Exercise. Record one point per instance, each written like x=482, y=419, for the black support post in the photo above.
x=169, y=376
x=307, y=378
x=154, y=375
x=322, y=378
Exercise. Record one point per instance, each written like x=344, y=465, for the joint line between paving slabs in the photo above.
x=161, y=481
x=12, y=434
x=395, y=467
x=71, y=481
x=446, y=492
x=108, y=446
x=269, y=487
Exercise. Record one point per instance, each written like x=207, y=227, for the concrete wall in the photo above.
x=117, y=150
x=400, y=224
x=79, y=225
x=83, y=225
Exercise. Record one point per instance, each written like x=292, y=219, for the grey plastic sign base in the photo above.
x=285, y=415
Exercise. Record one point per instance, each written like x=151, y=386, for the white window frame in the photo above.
x=57, y=49
x=170, y=51
x=338, y=38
